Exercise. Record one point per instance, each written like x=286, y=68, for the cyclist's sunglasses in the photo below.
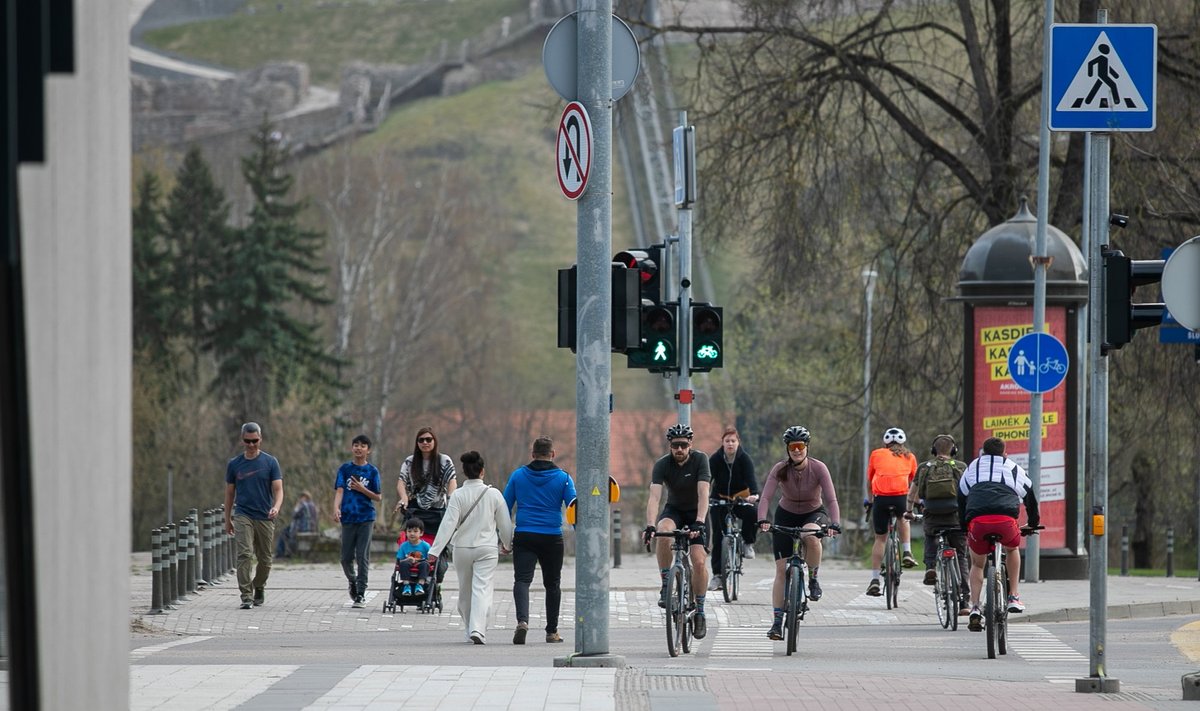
x=680, y=445
x=797, y=446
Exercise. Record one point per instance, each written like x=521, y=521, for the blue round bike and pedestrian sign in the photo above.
x=1038, y=362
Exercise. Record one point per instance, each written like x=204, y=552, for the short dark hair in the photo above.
x=993, y=446
x=361, y=439
x=472, y=464
x=416, y=523
x=543, y=446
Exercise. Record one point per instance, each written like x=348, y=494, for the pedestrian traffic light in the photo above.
x=660, y=337
x=1122, y=317
x=707, y=349
x=626, y=308
x=648, y=261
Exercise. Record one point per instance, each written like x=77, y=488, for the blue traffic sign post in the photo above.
x=1103, y=77
x=1038, y=362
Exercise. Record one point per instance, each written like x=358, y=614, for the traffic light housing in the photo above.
x=648, y=262
x=659, y=352
x=626, y=308
x=1122, y=317
x=707, y=347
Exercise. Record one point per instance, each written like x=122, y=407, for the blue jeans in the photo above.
x=356, y=543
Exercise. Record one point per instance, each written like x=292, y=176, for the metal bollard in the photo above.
x=169, y=566
x=616, y=534
x=156, y=582
x=1170, y=552
x=181, y=560
x=1125, y=550
x=193, y=550
x=206, y=547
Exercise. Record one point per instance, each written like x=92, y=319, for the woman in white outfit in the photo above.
x=476, y=517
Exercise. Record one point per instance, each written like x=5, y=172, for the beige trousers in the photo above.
x=476, y=568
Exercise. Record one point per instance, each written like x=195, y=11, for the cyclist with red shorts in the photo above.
x=990, y=494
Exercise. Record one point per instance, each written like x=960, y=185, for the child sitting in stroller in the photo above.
x=412, y=559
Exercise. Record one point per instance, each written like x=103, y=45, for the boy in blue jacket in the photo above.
x=539, y=490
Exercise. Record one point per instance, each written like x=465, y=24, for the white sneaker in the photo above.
x=716, y=583
x=749, y=553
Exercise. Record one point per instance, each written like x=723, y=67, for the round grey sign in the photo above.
x=560, y=57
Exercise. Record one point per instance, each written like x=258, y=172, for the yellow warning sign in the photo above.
x=595, y=491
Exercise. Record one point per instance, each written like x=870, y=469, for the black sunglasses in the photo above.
x=680, y=445
x=251, y=441
x=424, y=440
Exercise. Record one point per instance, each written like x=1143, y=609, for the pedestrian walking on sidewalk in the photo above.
x=476, y=520
x=356, y=489
x=427, y=479
x=253, y=497
x=539, y=491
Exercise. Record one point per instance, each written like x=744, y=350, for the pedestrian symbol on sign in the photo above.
x=660, y=352
x=1102, y=83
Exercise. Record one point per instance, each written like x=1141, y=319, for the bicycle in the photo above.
x=995, y=582
x=947, y=590
x=795, y=581
x=891, y=560
x=733, y=548
x=681, y=600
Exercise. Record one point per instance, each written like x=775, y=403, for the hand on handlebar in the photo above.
x=764, y=525
x=648, y=535
x=696, y=529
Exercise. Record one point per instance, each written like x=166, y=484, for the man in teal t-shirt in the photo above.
x=253, y=497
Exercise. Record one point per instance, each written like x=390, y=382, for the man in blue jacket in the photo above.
x=539, y=490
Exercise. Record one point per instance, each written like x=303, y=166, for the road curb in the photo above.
x=1139, y=610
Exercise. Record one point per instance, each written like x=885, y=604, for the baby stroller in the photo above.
x=430, y=601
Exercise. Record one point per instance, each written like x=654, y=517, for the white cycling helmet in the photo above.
x=894, y=435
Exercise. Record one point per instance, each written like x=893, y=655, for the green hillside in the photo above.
x=327, y=34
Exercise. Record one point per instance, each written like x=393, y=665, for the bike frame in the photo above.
x=795, y=580
x=948, y=591
x=731, y=540
x=891, y=560
x=681, y=599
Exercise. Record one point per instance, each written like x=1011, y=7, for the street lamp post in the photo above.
x=869, y=277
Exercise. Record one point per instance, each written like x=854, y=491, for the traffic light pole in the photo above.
x=683, y=390
x=593, y=362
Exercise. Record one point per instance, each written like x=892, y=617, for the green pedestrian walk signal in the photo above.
x=660, y=337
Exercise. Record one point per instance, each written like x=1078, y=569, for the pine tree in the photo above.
x=197, y=231
x=151, y=286
x=272, y=272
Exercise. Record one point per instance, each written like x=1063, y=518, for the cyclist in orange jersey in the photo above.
x=890, y=471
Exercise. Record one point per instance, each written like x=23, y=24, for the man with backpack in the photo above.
x=936, y=485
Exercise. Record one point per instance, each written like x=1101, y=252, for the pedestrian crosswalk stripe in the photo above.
x=143, y=652
x=741, y=643
x=1102, y=83
x=1035, y=644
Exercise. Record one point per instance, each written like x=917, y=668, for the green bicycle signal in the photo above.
x=708, y=352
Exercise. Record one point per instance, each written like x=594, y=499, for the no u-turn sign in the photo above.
x=574, y=153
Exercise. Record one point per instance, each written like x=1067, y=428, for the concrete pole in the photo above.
x=593, y=363
x=1032, y=556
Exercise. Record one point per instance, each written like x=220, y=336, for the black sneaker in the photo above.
x=907, y=560
x=662, y=597
x=260, y=596
x=353, y=591
x=776, y=631
x=874, y=590
x=699, y=626
x=814, y=589
x=930, y=577
x=359, y=601
x=975, y=621
x=246, y=605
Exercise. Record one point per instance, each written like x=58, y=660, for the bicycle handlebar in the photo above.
x=738, y=502
x=798, y=531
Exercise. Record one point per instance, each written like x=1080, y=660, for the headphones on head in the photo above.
x=953, y=445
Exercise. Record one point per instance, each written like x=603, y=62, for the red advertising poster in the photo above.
x=1002, y=407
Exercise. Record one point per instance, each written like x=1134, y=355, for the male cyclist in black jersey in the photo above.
x=685, y=475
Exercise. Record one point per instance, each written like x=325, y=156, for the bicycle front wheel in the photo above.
x=676, y=611
x=990, y=604
x=794, y=593
x=1002, y=612
x=729, y=551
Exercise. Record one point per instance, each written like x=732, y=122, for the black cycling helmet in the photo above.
x=679, y=431
x=894, y=434
x=796, y=433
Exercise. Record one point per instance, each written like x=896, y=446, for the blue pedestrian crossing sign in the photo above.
x=1103, y=77
x=1038, y=362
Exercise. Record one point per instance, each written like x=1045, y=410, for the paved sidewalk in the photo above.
x=306, y=597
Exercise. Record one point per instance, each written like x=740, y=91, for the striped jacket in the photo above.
x=996, y=485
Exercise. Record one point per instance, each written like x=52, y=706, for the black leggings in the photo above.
x=545, y=550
